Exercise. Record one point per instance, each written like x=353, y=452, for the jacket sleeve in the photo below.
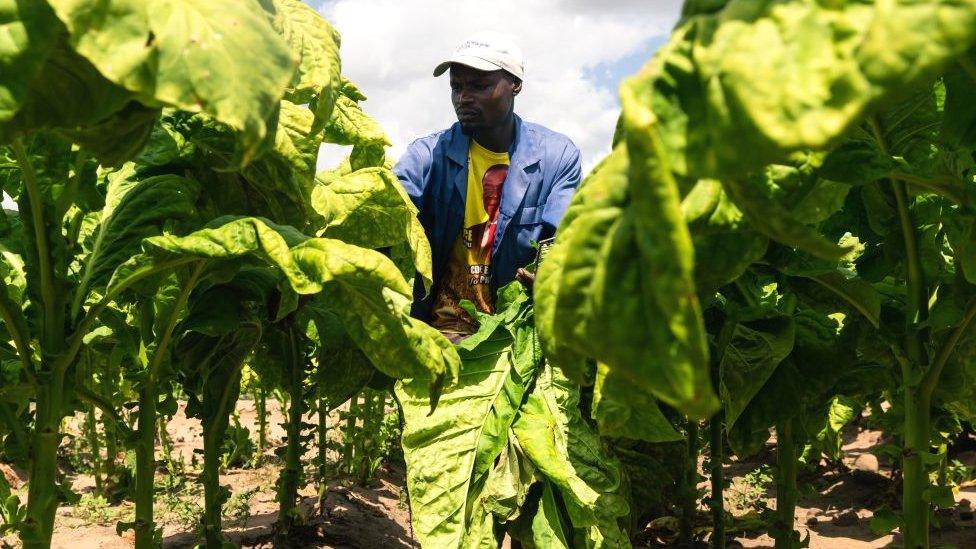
x=412, y=170
x=568, y=172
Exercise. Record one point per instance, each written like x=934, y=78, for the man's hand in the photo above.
x=526, y=278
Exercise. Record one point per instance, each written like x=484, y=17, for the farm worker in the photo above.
x=487, y=187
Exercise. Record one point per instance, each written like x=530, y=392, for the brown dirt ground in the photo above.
x=848, y=492
x=358, y=517
x=377, y=516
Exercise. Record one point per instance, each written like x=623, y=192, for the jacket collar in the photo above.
x=524, y=151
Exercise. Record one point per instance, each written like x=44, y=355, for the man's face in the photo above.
x=482, y=99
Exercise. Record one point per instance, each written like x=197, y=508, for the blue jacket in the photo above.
x=543, y=174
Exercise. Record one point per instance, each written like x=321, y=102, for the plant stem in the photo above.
x=16, y=325
x=291, y=473
x=42, y=499
x=786, y=493
x=323, y=438
x=214, y=433
x=718, y=481
x=689, y=495
x=145, y=450
x=262, y=409
x=110, y=426
x=717, y=428
x=915, y=509
x=146, y=440
x=931, y=379
x=372, y=416
x=52, y=325
x=349, y=435
x=91, y=434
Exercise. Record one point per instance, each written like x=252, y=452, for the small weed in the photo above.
x=94, y=509
x=957, y=472
x=238, y=506
x=181, y=507
x=748, y=491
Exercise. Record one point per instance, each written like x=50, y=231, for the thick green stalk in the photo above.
x=262, y=409
x=372, y=416
x=145, y=450
x=915, y=509
x=323, y=437
x=42, y=500
x=917, y=394
x=689, y=490
x=91, y=434
x=42, y=495
x=145, y=445
x=917, y=402
x=717, y=427
x=349, y=435
x=291, y=474
x=211, y=493
x=109, y=426
x=786, y=492
x=53, y=323
x=718, y=481
x=214, y=433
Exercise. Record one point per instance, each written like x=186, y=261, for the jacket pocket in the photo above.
x=528, y=228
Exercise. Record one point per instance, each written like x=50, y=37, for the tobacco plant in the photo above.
x=219, y=145
x=828, y=143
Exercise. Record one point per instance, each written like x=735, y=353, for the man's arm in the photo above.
x=567, y=179
x=412, y=170
x=568, y=172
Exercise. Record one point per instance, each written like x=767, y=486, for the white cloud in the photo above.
x=390, y=47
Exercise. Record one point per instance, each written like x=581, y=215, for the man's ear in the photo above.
x=516, y=87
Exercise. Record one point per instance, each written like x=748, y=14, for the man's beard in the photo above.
x=469, y=129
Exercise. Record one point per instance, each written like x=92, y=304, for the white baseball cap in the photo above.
x=488, y=51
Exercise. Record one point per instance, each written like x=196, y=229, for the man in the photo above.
x=487, y=187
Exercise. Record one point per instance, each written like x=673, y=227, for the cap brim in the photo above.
x=468, y=61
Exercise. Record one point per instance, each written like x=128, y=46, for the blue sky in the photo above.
x=577, y=52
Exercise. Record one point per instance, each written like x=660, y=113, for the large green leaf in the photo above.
x=736, y=87
x=467, y=431
x=189, y=54
x=800, y=386
x=622, y=410
x=364, y=285
x=549, y=278
x=288, y=166
x=756, y=348
x=28, y=32
x=349, y=125
x=68, y=92
x=571, y=455
x=621, y=299
x=120, y=137
x=134, y=209
x=369, y=208
x=315, y=43
x=720, y=234
x=959, y=126
x=343, y=369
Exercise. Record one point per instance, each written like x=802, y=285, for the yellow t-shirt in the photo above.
x=467, y=275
